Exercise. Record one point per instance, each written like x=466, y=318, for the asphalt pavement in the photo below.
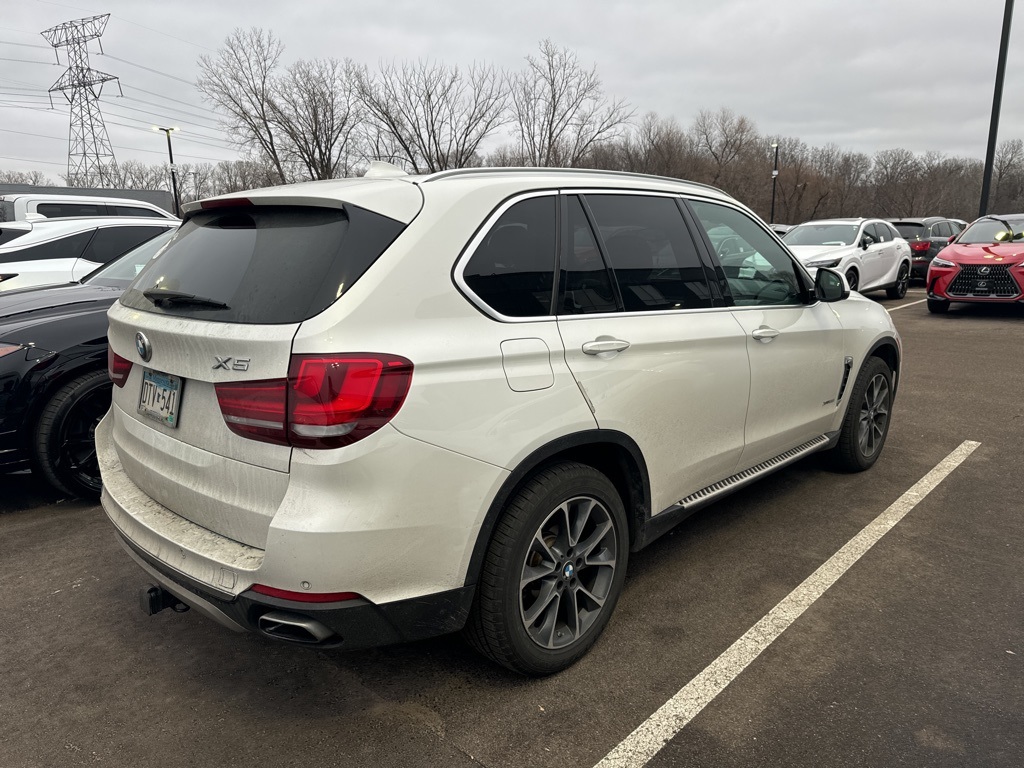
x=912, y=658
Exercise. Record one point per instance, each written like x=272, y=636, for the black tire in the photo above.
x=852, y=278
x=516, y=578
x=868, y=414
x=899, y=290
x=64, y=450
x=938, y=306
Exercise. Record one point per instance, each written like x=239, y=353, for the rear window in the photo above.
x=264, y=265
x=6, y=235
x=911, y=231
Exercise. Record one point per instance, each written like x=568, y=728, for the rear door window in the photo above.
x=111, y=242
x=62, y=210
x=513, y=268
x=584, y=278
x=264, y=264
x=69, y=247
x=941, y=229
x=651, y=253
x=7, y=210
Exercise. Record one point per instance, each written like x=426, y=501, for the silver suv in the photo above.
x=356, y=412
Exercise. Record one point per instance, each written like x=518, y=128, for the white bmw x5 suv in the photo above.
x=365, y=411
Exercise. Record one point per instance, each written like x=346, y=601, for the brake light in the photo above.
x=327, y=401
x=919, y=246
x=227, y=202
x=305, y=597
x=118, y=368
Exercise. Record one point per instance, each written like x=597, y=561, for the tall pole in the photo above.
x=174, y=170
x=775, y=178
x=997, y=98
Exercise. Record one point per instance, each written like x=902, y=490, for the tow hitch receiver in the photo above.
x=153, y=599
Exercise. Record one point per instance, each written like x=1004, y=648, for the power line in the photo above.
x=24, y=45
x=164, y=106
x=29, y=61
x=168, y=98
x=128, y=21
x=149, y=123
x=117, y=146
x=148, y=69
x=163, y=116
x=27, y=160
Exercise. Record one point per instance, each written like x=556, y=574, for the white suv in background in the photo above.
x=372, y=410
x=48, y=251
x=32, y=206
x=871, y=253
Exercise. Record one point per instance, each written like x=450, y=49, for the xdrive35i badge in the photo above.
x=143, y=347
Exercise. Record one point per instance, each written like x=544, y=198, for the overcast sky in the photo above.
x=864, y=74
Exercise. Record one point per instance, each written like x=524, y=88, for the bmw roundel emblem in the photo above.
x=143, y=347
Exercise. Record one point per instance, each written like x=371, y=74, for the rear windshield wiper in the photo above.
x=158, y=296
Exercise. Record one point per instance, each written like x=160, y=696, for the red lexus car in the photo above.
x=984, y=264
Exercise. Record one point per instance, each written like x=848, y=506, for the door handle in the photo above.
x=598, y=346
x=764, y=334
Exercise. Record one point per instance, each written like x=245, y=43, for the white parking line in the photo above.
x=655, y=732
x=904, y=306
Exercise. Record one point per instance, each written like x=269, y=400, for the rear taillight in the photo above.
x=118, y=368
x=327, y=401
x=920, y=246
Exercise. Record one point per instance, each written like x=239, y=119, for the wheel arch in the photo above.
x=888, y=350
x=613, y=453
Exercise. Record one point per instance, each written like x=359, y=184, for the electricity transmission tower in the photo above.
x=90, y=156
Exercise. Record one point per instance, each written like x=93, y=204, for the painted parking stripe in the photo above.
x=655, y=732
x=902, y=306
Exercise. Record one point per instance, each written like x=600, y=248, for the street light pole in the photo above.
x=174, y=170
x=997, y=98
x=775, y=178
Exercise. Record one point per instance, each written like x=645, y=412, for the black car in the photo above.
x=927, y=236
x=54, y=387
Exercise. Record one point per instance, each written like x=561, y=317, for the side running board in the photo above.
x=661, y=523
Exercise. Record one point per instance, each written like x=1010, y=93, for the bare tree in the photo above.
x=432, y=116
x=34, y=178
x=560, y=111
x=240, y=80
x=316, y=106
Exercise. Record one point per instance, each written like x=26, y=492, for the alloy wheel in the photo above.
x=568, y=572
x=77, y=452
x=874, y=415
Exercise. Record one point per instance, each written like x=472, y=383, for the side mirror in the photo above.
x=865, y=242
x=830, y=286
x=950, y=241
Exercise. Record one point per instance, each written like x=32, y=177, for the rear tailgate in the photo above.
x=222, y=304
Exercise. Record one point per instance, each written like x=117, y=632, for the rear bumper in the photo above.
x=352, y=624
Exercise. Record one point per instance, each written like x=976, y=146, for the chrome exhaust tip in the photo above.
x=294, y=628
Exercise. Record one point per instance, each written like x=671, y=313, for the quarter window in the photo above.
x=758, y=270
x=62, y=248
x=62, y=210
x=586, y=285
x=881, y=232
x=513, y=269
x=111, y=242
x=651, y=253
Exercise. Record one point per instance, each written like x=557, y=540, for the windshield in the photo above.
x=984, y=231
x=821, y=234
x=121, y=271
x=911, y=231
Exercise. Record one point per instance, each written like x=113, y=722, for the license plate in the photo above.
x=160, y=397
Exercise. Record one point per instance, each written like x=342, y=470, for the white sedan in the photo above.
x=869, y=252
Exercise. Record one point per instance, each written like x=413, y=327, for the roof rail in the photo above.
x=593, y=171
